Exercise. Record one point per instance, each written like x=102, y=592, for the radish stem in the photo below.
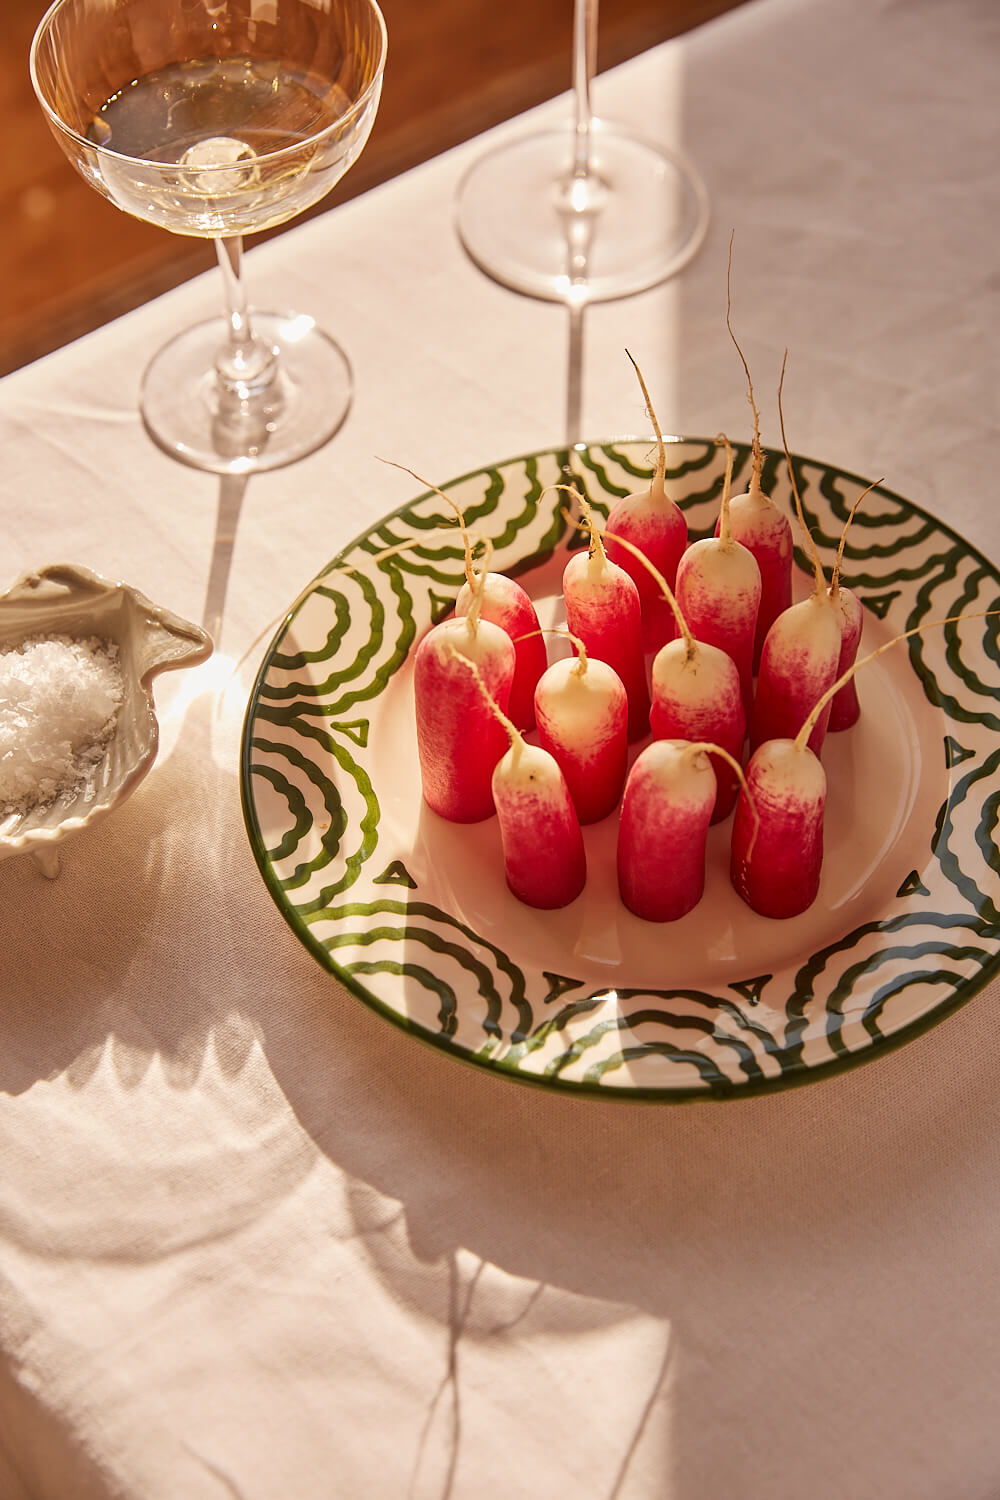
x=756, y=521
x=757, y=455
x=835, y=576
x=658, y=481
x=579, y=649
x=725, y=525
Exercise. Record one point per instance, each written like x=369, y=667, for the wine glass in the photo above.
x=217, y=118
x=586, y=212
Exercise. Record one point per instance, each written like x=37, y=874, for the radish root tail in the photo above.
x=814, y=555
x=469, y=570
x=756, y=450
x=586, y=521
x=835, y=578
x=660, y=473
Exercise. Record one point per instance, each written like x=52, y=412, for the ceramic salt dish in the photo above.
x=74, y=605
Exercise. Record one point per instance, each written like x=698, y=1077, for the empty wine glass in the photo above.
x=217, y=118
x=584, y=212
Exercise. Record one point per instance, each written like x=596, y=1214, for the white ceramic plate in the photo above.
x=413, y=913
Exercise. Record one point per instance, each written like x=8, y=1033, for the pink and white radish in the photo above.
x=545, y=863
x=696, y=695
x=718, y=590
x=603, y=610
x=581, y=711
x=459, y=738
x=758, y=523
x=776, y=867
x=503, y=601
x=652, y=521
x=666, y=810
x=507, y=604
x=801, y=651
x=777, y=838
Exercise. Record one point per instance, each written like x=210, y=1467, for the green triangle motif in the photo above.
x=913, y=886
x=954, y=753
x=352, y=729
x=558, y=985
x=880, y=604
x=441, y=605
x=395, y=874
x=751, y=989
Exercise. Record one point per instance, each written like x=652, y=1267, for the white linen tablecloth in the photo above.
x=255, y=1242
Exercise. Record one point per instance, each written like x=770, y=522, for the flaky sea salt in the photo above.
x=59, y=699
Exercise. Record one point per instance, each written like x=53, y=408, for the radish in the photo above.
x=545, y=863
x=544, y=859
x=654, y=523
x=503, y=601
x=696, y=695
x=777, y=871
x=757, y=522
x=801, y=651
x=603, y=610
x=459, y=739
x=777, y=839
x=581, y=709
x=666, y=811
x=845, y=710
x=718, y=590
x=507, y=605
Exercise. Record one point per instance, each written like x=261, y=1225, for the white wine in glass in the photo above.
x=219, y=118
x=585, y=212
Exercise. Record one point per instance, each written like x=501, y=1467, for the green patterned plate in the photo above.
x=414, y=916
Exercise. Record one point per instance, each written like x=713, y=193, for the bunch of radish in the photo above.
x=694, y=643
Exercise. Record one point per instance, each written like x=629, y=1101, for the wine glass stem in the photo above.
x=245, y=364
x=584, y=61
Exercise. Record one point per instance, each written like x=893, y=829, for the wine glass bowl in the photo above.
x=214, y=119
x=233, y=131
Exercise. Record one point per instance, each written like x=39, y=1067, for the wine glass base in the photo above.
x=638, y=217
x=183, y=413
